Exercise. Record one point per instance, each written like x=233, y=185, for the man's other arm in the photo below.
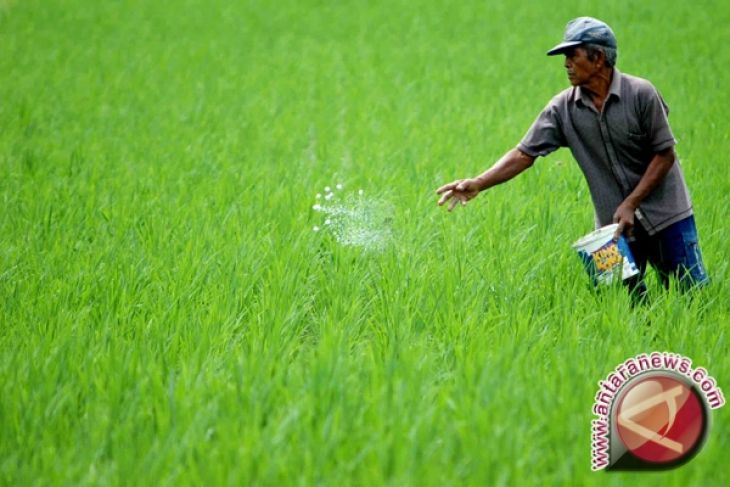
x=658, y=168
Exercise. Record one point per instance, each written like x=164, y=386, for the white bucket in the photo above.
x=605, y=258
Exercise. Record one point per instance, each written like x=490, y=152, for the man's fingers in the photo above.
x=447, y=187
x=456, y=200
x=445, y=197
x=619, y=230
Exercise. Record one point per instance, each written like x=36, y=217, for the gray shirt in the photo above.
x=614, y=147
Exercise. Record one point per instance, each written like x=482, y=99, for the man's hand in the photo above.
x=624, y=216
x=461, y=190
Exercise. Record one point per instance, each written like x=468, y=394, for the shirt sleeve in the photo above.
x=655, y=122
x=546, y=133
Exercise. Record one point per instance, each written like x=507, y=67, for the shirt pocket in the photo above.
x=638, y=138
x=638, y=147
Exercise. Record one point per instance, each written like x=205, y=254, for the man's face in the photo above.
x=580, y=69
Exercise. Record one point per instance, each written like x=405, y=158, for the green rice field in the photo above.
x=177, y=307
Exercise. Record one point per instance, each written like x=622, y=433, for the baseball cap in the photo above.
x=585, y=30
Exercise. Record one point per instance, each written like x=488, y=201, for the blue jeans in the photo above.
x=674, y=251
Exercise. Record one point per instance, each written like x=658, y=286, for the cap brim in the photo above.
x=562, y=47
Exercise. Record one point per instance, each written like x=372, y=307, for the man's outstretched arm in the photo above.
x=462, y=190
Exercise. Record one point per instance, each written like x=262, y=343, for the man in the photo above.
x=616, y=127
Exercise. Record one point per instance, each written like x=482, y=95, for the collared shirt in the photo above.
x=614, y=147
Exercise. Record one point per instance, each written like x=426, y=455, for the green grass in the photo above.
x=168, y=316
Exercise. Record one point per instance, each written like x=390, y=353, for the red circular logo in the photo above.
x=661, y=419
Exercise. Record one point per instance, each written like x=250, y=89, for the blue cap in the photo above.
x=585, y=30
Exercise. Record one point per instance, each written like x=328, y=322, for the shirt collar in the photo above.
x=613, y=90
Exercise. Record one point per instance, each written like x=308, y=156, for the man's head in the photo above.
x=591, y=34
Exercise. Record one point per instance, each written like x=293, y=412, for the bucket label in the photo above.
x=607, y=257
